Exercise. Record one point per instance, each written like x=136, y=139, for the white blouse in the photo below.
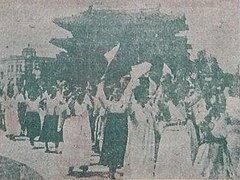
x=33, y=106
x=52, y=104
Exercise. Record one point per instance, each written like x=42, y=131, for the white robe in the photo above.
x=11, y=117
x=233, y=107
x=77, y=138
x=174, y=156
x=139, y=156
x=200, y=111
x=207, y=162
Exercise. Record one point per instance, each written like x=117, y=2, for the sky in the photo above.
x=213, y=24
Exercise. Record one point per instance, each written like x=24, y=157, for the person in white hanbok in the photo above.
x=11, y=118
x=140, y=153
x=174, y=148
x=77, y=138
x=213, y=160
x=233, y=137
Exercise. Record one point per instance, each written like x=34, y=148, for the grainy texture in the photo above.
x=157, y=81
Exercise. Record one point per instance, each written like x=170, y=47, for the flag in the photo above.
x=111, y=54
x=166, y=70
x=140, y=69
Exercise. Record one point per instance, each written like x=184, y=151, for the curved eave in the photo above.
x=63, y=43
x=116, y=18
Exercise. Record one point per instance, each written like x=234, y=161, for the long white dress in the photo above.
x=174, y=156
x=213, y=160
x=233, y=138
x=140, y=152
x=77, y=138
x=11, y=117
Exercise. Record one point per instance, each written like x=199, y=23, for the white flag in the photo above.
x=166, y=70
x=112, y=53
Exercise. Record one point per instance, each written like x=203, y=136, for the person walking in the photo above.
x=11, y=118
x=33, y=123
x=22, y=107
x=213, y=159
x=77, y=144
x=115, y=134
x=49, y=131
x=140, y=153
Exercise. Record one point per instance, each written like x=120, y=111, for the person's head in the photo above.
x=32, y=96
x=79, y=98
x=141, y=92
x=52, y=92
x=117, y=94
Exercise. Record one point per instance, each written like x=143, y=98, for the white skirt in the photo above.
x=174, y=156
x=76, y=150
x=11, y=122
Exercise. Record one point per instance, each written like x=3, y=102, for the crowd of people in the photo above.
x=138, y=128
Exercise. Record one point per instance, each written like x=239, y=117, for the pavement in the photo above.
x=48, y=164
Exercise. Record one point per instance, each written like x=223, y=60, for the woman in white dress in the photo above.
x=140, y=153
x=233, y=137
x=11, y=117
x=77, y=138
x=213, y=160
x=174, y=156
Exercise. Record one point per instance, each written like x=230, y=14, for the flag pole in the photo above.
x=105, y=71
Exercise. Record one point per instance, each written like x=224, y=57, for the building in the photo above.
x=13, y=67
x=147, y=34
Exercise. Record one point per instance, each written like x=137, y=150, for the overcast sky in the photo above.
x=213, y=24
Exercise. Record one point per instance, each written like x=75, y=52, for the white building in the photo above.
x=13, y=67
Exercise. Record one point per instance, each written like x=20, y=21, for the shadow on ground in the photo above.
x=89, y=174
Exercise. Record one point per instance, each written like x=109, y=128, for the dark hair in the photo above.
x=10, y=90
x=142, y=90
